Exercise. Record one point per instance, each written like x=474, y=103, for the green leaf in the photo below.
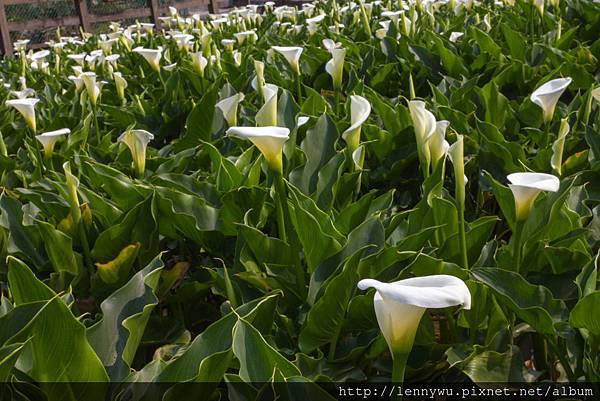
x=23, y=240
x=59, y=247
x=217, y=338
x=24, y=286
x=137, y=225
x=585, y=314
x=8, y=357
x=259, y=361
x=318, y=147
x=125, y=313
x=325, y=318
x=532, y=303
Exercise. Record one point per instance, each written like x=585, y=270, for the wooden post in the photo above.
x=154, y=13
x=82, y=12
x=213, y=6
x=7, y=48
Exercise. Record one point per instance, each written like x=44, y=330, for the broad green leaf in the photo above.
x=125, y=313
x=532, y=303
x=585, y=314
x=259, y=361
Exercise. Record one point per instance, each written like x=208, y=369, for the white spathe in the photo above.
x=27, y=109
x=229, y=106
x=137, y=141
x=292, y=55
x=457, y=157
x=49, y=139
x=152, y=56
x=267, y=115
x=400, y=305
x=360, y=109
x=120, y=84
x=199, y=62
x=92, y=87
x=559, y=145
x=547, y=95
x=269, y=140
x=526, y=187
x=425, y=125
x=437, y=144
x=335, y=67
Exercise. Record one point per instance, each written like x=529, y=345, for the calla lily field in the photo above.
x=332, y=192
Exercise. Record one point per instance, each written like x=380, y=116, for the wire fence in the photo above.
x=64, y=13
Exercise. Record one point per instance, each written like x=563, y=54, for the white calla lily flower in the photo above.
x=49, y=139
x=77, y=81
x=335, y=67
x=92, y=87
x=456, y=153
x=292, y=55
x=438, y=146
x=137, y=141
x=547, y=95
x=330, y=45
x=425, y=125
x=267, y=115
x=199, y=62
x=454, y=36
x=23, y=94
x=27, y=109
x=360, y=109
x=152, y=56
x=559, y=145
x=400, y=305
x=120, y=84
x=526, y=187
x=269, y=140
x=229, y=107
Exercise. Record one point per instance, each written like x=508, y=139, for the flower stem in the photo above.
x=283, y=215
x=365, y=18
x=462, y=236
x=299, y=89
x=562, y=357
x=517, y=246
x=399, y=367
x=280, y=193
x=95, y=111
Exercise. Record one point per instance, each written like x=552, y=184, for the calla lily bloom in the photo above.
x=330, y=45
x=152, y=56
x=267, y=115
x=425, y=126
x=27, y=109
x=120, y=84
x=335, y=67
x=92, y=87
x=49, y=139
x=229, y=106
x=400, y=305
x=77, y=81
x=438, y=146
x=199, y=62
x=454, y=36
x=137, y=141
x=269, y=140
x=547, y=95
x=292, y=55
x=360, y=109
x=23, y=94
x=526, y=187
x=559, y=145
x=456, y=153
